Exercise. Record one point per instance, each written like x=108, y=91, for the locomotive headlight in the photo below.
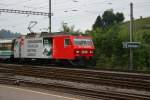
x=77, y=51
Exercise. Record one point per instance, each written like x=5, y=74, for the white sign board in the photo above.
x=131, y=44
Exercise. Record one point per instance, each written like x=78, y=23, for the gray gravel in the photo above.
x=80, y=85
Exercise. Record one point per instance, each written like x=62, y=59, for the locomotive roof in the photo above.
x=46, y=34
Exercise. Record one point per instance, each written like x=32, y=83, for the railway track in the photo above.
x=98, y=94
x=116, y=79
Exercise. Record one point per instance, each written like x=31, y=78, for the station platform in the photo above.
x=8, y=92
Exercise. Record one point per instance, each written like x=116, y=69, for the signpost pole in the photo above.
x=131, y=35
x=50, y=16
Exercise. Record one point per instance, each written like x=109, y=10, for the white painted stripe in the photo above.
x=26, y=90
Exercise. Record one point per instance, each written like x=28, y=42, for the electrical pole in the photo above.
x=131, y=35
x=50, y=16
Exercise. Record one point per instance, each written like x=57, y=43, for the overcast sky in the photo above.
x=83, y=17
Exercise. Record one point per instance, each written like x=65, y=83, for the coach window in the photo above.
x=5, y=46
x=67, y=42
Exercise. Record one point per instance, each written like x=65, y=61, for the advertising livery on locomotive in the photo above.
x=59, y=47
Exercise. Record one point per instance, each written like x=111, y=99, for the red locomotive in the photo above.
x=57, y=47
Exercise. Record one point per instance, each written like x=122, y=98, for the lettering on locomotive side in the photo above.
x=31, y=50
x=33, y=46
x=34, y=41
x=31, y=54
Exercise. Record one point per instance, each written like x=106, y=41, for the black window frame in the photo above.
x=67, y=42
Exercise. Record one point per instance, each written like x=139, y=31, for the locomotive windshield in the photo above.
x=83, y=42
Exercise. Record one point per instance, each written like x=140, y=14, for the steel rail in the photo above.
x=112, y=79
x=100, y=94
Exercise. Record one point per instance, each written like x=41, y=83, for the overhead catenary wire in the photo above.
x=85, y=7
x=24, y=12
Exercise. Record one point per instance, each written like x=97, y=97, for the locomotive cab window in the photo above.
x=67, y=42
x=83, y=42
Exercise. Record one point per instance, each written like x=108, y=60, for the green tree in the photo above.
x=108, y=18
x=119, y=17
x=146, y=38
x=71, y=29
x=109, y=53
x=98, y=23
x=66, y=28
x=109, y=48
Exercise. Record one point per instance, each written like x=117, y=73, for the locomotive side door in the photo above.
x=63, y=48
x=68, y=48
